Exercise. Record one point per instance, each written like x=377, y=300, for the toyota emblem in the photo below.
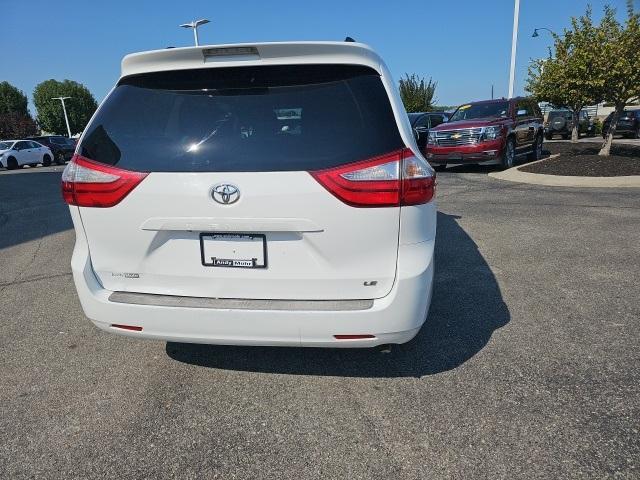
x=225, y=193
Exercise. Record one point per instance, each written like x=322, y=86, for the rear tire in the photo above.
x=440, y=168
x=12, y=163
x=565, y=136
x=509, y=154
x=46, y=161
x=549, y=136
x=636, y=134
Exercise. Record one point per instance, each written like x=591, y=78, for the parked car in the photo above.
x=292, y=207
x=490, y=132
x=628, y=124
x=560, y=122
x=421, y=122
x=62, y=147
x=18, y=153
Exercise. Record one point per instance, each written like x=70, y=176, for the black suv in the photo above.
x=421, y=122
x=560, y=122
x=628, y=124
x=61, y=147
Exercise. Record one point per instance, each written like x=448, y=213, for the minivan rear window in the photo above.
x=244, y=119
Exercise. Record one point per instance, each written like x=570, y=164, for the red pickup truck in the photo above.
x=491, y=132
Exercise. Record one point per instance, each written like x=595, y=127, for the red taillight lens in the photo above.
x=391, y=180
x=418, y=181
x=86, y=183
x=371, y=183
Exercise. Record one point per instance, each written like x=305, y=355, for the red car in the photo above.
x=491, y=132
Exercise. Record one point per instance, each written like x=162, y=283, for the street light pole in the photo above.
x=194, y=25
x=514, y=42
x=64, y=109
x=536, y=34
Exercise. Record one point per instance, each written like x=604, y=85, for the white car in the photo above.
x=263, y=194
x=17, y=153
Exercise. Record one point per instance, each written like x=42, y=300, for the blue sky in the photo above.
x=463, y=44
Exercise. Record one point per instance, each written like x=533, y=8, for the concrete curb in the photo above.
x=515, y=175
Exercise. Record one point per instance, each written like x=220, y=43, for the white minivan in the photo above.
x=262, y=194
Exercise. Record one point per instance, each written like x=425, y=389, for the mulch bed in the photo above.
x=582, y=160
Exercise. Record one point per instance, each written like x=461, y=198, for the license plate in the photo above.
x=233, y=250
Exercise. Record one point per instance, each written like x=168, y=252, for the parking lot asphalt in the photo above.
x=527, y=367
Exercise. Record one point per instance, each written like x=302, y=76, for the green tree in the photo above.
x=443, y=108
x=12, y=100
x=572, y=76
x=416, y=93
x=80, y=107
x=621, y=68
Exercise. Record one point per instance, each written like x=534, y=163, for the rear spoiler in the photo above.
x=275, y=53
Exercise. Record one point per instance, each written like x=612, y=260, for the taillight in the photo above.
x=418, y=180
x=86, y=183
x=391, y=180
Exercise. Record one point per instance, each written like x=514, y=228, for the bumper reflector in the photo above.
x=127, y=327
x=353, y=337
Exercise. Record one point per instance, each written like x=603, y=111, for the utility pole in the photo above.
x=64, y=109
x=514, y=42
x=492, y=91
x=194, y=25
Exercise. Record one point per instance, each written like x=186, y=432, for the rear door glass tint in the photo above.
x=272, y=118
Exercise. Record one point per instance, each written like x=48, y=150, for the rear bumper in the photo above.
x=625, y=128
x=396, y=318
x=567, y=131
x=554, y=131
x=67, y=154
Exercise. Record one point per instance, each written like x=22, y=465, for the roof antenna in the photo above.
x=349, y=39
